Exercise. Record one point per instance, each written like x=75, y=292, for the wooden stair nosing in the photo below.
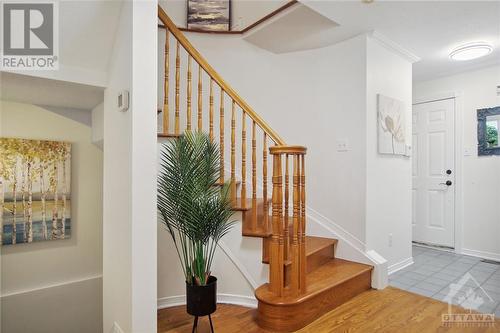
x=219, y=183
x=298, y=312
x=169, y=135
x=329, y=275
x=258, y=233
x=248, y=204
x=312, y=248
x=255, y=228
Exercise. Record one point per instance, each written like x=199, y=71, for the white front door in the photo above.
x=434, y=172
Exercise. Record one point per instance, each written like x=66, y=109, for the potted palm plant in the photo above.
x=196, y=211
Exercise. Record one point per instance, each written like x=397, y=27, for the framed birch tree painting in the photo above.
x=35, y=196
x=391, y=126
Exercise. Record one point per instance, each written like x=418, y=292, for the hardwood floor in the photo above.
x=388, y=310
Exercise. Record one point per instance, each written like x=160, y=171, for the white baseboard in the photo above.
x=400, y=265
x=170, y=301
x=482, y=254
x=248, y=301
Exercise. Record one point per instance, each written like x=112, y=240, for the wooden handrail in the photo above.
x=290, y=150
x=217, y=78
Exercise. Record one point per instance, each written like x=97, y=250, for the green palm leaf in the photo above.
x=194, y=208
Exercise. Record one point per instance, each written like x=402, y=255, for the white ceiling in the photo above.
x=87, y=32
x=428, y=29
x=46, y=92
x=297, y=28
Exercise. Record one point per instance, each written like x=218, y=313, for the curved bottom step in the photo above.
x=329, y=286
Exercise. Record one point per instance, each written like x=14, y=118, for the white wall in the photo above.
x=97, y=121
x=117, y=298
x=143, y=104
x=326, y=87
x=129, y=232
x=480, y=197
x=389, y=200
x=57, y=277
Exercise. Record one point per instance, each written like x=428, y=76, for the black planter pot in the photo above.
x=202, y=300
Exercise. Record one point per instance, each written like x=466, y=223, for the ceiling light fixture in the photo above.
x=471, y=51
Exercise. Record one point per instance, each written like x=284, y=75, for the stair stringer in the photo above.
x=349, y=247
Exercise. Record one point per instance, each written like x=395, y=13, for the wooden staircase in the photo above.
x=305, y=278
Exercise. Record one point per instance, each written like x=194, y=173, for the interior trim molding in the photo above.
x=336, y=229
x=171, y=301
x=481, y=254
x=71, y=74
x=48, y=286
x=116, y=328
x=434, y=97
x=246, y=29
x=400, y=265
x=394, y=47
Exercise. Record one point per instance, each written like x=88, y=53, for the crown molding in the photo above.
x=393, y=46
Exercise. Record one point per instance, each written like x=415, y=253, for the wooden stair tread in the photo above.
x=237, y=206
x=222, y=183
x=313, y=245
x=260, y=232
x=170, y=135
x=328, y=276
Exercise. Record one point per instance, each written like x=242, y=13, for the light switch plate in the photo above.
x=343, y=145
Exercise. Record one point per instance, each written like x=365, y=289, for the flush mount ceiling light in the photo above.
x=471, y=51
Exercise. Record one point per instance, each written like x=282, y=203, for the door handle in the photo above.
x=448, y=183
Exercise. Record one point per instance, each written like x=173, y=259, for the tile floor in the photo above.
x=434, y=271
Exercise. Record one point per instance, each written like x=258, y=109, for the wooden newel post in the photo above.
x=282, y=238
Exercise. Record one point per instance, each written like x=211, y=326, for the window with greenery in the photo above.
x=492, y=133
